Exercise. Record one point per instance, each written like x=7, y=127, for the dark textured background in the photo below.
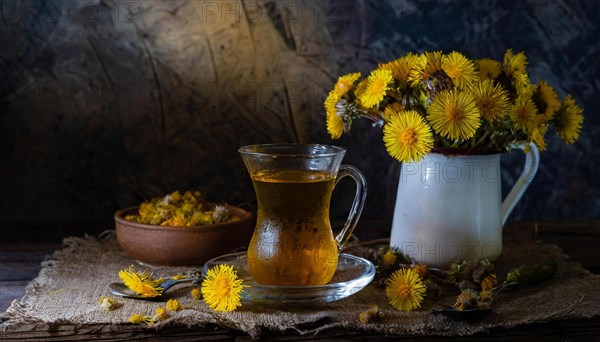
x=106, y=103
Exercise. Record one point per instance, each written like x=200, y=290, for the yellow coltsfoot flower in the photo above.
x=139, y=318
x=345, y=83
x=428, y=64
x=196, y=293
x=514, y=63
x=174, y=305
x=488, y=69
x=568, y=120
x=402, y=67
x=459, y=68
x=405, y=289
x=378, y=83
x=142, y=283
x=421, y=269
x=222, y=288
x=161, y=314
x=489, y=282
x=467, y=299
x=335, y=122
x=491, y=99
x=389, y=258
x=545, y=99
x=523, y=114
x=109, y=304
x=407, y=136
x=454, y=114
x=371, y=315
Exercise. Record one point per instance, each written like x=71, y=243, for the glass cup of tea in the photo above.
x=293, y=244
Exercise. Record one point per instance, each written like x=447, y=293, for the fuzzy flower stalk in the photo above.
x=448, y=101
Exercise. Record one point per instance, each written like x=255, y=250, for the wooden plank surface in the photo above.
x=20, y=258
x=566, y=330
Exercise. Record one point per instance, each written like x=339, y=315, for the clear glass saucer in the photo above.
x=352, y=275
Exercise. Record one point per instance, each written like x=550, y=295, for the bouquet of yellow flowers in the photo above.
x=448, y=101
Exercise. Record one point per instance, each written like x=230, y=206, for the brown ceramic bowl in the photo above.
x=182, y=246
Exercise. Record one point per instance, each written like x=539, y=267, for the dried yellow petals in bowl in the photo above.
x=175, y=209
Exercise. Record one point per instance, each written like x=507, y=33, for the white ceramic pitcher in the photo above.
x=449, y=207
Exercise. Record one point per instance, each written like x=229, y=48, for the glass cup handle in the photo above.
x=532, y=161
x=357, y=206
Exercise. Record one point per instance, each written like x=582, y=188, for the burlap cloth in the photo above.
x=72, y=279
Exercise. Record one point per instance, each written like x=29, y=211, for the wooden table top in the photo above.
x=24, y=246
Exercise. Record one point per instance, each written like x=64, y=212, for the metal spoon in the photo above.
x=472, y=314
x=122, y=290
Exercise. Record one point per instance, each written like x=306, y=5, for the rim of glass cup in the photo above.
x=319, y=150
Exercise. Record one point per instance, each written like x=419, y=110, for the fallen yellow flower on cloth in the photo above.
x=161, y=313
x=174, y=305
x=222, y=288
x=138, y=319
x=142, y=283
x=196, y=293
x=371, y=315
x=178, y=276
x=405, y=289
x=109, y=304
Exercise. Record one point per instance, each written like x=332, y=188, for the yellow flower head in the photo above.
x=489, y=282
x=454, y=114
x=178, y=276
x=360, y=89
x=427, y=65
x=523, y=114
x=491, y=100
x=161, y=313
x=345, y=83
x=335, y=123
x=141, y=283
x=460, y=69
x=485, y=295
x=391, y=110
x=568, y=120
x=488, y=69
x=378, y=83
x=178, y=220
x=222, y=289
x=407, y=136
x=138, y=318
x=370, y=315
x=389, y=258
x=196, y=294
x=522, y=85
x=514, y=64
x=175, y=196
x=405, y=290
x=421, y=270
x=174, y=305
x=545, y=99
x=537, y=136
x=109, y=304
x=467, y=299
x=335, y=126
x=402, y=67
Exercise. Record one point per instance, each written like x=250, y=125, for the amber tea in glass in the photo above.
x=293, y=243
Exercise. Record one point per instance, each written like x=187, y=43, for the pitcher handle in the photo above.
x=532, y=161
x=357, y=206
